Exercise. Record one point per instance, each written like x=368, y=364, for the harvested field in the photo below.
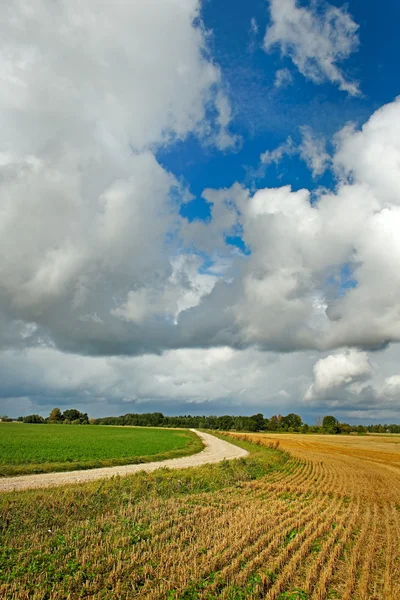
x=382, y=450
x=360, y=558
x=316, y=524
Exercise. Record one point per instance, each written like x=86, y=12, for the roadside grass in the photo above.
x=35, y=448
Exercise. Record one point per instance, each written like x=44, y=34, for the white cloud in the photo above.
x=184, y=289
x=313, y=152
x=287, y=148
x=135, y=71
x=357, y=386
x=338, y=370
x=315, y=41
x=390, y=389
x=253, y=26
x=224, y=139
x=283, y=78
x=88, y=218
x=372, y=154
x=253, y=33
x=294, y=285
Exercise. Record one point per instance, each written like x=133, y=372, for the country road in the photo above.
x=215, y=451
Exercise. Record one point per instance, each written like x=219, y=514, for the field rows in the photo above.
x=315, y=528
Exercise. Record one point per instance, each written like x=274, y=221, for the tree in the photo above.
x=33, y=419
x=55, y=416
x=251, y=425
x=4, y=419
x=259, y=421
x=330, y=424
x=273, y=423
x=292, y=420
x=72, y=414
x=344, y=428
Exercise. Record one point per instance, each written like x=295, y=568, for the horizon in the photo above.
x=317, y=423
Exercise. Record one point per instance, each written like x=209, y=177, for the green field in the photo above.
x=26, y=448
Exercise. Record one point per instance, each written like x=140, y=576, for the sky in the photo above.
x=200, y=207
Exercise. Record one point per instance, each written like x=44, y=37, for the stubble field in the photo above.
x=321, y=522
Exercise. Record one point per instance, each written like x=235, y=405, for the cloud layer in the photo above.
x=97, y=261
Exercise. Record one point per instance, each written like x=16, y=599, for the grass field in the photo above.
x=33, y=448
x=322, y=522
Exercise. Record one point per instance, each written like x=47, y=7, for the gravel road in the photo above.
x=215, y=451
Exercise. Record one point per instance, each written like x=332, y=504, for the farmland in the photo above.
x=26, y=449
x=319, y=522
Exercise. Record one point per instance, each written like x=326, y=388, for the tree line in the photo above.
x=279, y=423
x=71, y=416
x=289, y=423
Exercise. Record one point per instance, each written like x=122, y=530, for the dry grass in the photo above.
x=321, y=524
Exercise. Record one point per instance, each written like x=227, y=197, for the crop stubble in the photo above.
x=324, y=525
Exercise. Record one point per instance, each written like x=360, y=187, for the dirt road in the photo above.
x=215, y=451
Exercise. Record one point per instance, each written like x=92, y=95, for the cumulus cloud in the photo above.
x=89, y=220
x=338, y=370
x=315, y=41
x=183, y=289
x=323, y=274
x=280, y=296
x=357, y=385
x=109, y=266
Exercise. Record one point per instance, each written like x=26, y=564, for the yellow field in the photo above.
x=383, y=450
x=365, y=471
x=321, y=524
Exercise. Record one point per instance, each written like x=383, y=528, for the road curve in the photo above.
x=215, y=451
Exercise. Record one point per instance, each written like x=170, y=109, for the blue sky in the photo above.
x=265, y=116
x=199, y=208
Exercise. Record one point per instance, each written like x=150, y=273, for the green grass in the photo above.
x=33, y=448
